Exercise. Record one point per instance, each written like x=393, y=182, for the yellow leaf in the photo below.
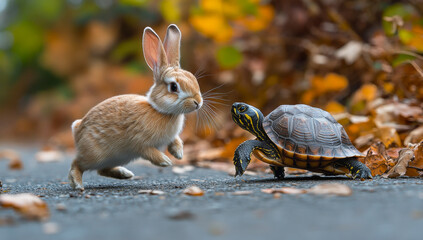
x=211, y=5
x=260, y=21
x=417, y=40
x=212, y=25
x=335, y=107
x=231, y=9
x=335, y=82
x=170, y=10
x=307, y=97
x=330, y=83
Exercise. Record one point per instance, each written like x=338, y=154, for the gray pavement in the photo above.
x=113, y=209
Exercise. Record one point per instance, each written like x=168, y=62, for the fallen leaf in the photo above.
x=365, y=94
x=415, y=167
x=238, y=193
x=27, y=204
x=350, y=51
x=193, y=191
x=334, y=107
x=276, y=195
x=396, y=114
x=46, y=156
x=414, y=136
x=183, y=169
x=331, y=189
x=230, y=147
x=284, y=190
x=295, y=171
x=181, y=215
x=51, y=228
x=400, y=168
x=151, y=192
x=15, y=161
x=376, y=163
x=389, y=136
x=61, y=207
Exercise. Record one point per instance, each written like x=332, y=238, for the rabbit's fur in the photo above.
x=125, y=127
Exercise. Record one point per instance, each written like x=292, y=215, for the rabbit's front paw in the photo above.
x=176, y=148
x=75, y=179
x=156, y=157
x=165, y=162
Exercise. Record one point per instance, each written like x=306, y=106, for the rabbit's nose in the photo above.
x=197, y=106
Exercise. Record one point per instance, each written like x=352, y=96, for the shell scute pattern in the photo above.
x=303, y=130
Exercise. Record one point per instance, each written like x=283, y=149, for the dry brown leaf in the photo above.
x=414, y=136
x=193, y=191
x=389, y=136
x=350, y=51
x=415, y=167
x=367, y=93
x=295, y=171
x=334, y=107
x=284, y=190
x=51, y=228
x=377, y=159
x=393, y=153
x=396, y=114
x=151, y=192
x=230, y=147
x=405, y=156
x=331, y=189
x=27, y=204
x=238, y=193
x=182, y=169
x=15, y=161
x=46, y=156
x=376, y=163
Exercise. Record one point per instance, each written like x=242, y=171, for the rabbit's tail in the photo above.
x=75, y=126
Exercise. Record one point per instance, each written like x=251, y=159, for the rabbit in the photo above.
x=125, y=127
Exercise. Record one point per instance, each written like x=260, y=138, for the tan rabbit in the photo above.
x=125, y=127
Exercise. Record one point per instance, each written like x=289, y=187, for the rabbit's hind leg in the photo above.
x=75, y=176
x=116, y=172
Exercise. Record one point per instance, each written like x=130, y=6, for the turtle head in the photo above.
x=249, y=118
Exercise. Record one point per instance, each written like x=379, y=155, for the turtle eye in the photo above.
x=242, y=108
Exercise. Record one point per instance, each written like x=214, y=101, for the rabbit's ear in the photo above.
x=172, y=44
x=154, y=52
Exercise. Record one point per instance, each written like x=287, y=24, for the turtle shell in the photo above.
x=308, y=137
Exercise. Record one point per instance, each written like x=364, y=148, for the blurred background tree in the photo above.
x=59, y=58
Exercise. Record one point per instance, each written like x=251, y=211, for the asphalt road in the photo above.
x=113, y=209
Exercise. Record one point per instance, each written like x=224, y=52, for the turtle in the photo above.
x=297, y=136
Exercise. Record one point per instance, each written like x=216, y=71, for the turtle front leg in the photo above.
x=278, y=172
x=242, y=156
x=356, y=168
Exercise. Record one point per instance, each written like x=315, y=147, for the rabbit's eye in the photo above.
x=173, y=87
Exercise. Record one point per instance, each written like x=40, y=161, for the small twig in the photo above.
x=408, y=53
x=418, y=169
x=418, y=69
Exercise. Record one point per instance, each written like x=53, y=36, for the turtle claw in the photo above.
x=238, y=171
x=363, y=173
